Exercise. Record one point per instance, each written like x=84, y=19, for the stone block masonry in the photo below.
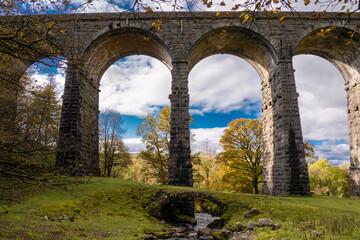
x=92, y=42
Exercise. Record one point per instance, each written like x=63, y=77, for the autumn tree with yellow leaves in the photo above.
x=155, y=133
x=242, y=156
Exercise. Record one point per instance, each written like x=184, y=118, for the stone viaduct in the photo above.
x=92, y=42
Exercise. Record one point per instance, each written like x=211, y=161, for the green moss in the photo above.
x=117, y=209
x=185, y=218
x=218, y=236
x=160, y=234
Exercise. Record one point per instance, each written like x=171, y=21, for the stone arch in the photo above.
x=79, y=150
x=166, y=203
x=14, y=64
x=241, y=42
x=122, y=42
x=342, y=50
x=284, y=171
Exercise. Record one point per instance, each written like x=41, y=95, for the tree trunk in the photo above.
x=255, y=182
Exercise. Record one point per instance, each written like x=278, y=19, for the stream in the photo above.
x=203, y=219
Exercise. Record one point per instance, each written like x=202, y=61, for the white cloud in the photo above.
x=100, y=6
x=106, y=6
x=337, y=153
x=135, y=145
x=223, y=83
x=42, y=78
x=322, y=99
x=137, y=86
x=322, y=104
x=207, y=138
x=217, y=5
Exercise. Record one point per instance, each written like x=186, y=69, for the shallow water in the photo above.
x=203, y=219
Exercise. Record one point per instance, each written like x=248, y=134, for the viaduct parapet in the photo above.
x=92, y=42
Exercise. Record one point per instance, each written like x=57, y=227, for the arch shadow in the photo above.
x=120, y=43
x=241, y=42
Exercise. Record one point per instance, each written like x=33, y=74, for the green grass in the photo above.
x=116, y=209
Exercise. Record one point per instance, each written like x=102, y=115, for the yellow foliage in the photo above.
x=246, y=17
x=281, y=19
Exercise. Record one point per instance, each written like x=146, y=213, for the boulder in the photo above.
x=242, y=236
x=206, y=238
x=204, y=232
x=251, y=213
x=179, y=229
x=276, y=226
x=265, y=222
x=149, y=237
x=216, y=224
x=239, y=227
x=222, y=234
x=252, y=225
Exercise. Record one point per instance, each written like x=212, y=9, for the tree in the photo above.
x=113, y=151
x=36, y=125
x=330, y=180
x=310, y=156
x=28, y=128
x=27, y=146
x=155, y=133
x=205, y=168
x=39, y=115
x=243, y=151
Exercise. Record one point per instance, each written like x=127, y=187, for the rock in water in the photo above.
x=204, y=232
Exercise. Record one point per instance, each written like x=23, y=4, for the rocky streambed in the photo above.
x=211, y=228
x=193, y=232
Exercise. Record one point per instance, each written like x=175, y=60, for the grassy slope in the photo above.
x=114, y=209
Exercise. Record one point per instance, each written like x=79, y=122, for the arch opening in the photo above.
x=324, y=124
x=254, y=49
x=169, y=206
x=30, y=130
x=134, y=88
x=222, y=88
x=340, y=48
x=83, y=90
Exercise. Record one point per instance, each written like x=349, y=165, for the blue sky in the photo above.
x=223, y=88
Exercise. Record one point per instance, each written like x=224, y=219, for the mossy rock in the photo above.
x=219, y=236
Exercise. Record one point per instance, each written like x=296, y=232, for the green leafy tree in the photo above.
x=205, y=168
x=330, y=180
x=27, y=146
x=155, y=133
x=243, y=151
x=34, y=129
x=113, y=152
x=39, y=115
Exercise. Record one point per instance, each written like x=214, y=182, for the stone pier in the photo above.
x=92, y=42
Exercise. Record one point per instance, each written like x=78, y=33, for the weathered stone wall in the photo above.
x=183, y=40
